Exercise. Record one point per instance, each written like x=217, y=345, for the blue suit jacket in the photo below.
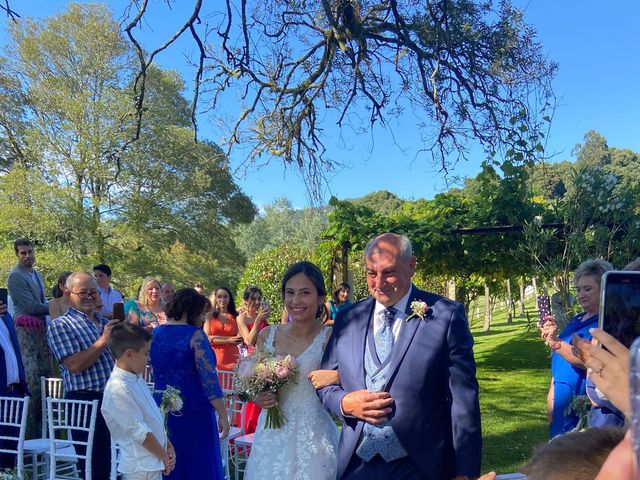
x=8, y=321
x=432, y=379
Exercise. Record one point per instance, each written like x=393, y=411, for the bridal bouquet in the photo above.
x=265, y=372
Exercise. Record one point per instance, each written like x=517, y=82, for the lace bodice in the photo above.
x=305, y=447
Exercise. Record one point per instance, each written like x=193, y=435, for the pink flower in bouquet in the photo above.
x=291, y=361
x=282, y=371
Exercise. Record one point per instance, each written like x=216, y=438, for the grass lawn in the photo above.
x=514, y=376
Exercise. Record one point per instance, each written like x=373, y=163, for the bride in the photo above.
x=305, y=447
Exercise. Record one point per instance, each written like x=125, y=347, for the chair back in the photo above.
x=65, y=417
x=148, y=374
x=115, y=459
x=13, y=420
x=225, y=379
x=50, y=387
x=236, y=412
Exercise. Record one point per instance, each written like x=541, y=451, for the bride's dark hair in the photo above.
x=310, y=271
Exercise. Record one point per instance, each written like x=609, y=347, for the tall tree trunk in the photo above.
x=486, y=326
x=521, y=302
x=534, y=282
x=509, y=302
x=451, y=287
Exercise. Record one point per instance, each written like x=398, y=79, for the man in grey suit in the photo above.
x=26, y=287
x=25, y=283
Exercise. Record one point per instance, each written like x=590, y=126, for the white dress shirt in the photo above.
x=130, y=413
x=400, y=306
x=13, y=375
x=109, y=296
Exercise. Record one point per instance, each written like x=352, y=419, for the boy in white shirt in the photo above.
x=132, y=415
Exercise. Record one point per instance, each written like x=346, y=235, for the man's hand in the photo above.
x=486, y=476
x=3, y=308
x=106, y=332
x=371, y=407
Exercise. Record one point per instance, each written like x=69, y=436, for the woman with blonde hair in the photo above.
x=568, y=373
x=147, y=311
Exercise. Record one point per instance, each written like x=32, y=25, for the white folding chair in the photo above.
x=236, y=416
x=35, y=448
x=115, y=458
x=13, y=417
x=225, y=379
x=64, y=417
x=148, y=375
x=242, y=450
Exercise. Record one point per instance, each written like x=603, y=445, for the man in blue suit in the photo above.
x=12, y=377
x=408, y=394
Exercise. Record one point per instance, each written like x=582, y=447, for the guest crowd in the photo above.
x=365, y=359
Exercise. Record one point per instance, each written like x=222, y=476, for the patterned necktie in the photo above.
x=383, y=338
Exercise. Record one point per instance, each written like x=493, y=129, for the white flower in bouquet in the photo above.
x=171, y=400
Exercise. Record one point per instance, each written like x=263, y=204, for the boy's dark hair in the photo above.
x=21, y=242
x=106, y=269
x=125, y=335
x=573, y=456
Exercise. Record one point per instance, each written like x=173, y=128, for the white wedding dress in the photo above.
x=305, y=447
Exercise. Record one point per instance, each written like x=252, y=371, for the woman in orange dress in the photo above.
x=254, y=317
x=222, y=330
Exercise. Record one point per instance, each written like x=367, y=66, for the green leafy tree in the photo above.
x=164, y=205
x=382, y=201
x=279, y=224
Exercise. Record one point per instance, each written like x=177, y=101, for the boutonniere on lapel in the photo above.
x=418, y=309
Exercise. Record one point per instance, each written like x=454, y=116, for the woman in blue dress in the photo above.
x=568, y=374
x=182, y=357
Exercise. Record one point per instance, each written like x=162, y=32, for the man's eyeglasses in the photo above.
x=86, y=293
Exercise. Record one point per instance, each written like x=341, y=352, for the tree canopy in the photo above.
x=89, y=193
x=464, y=69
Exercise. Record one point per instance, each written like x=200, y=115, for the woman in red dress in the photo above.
x=222, y=329
x=253, y=318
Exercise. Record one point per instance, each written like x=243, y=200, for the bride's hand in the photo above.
x=324, y=378
x=265, y=400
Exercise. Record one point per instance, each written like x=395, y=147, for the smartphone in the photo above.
x=620, y=305
x=544, y=308
x=264, y=304
x=118, y=311
x=4, y=295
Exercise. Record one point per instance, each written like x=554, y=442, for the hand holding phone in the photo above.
x=620, y=305
x=4, y=295
x=118, y=311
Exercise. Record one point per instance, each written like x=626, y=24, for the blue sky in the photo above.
x=597, y=87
